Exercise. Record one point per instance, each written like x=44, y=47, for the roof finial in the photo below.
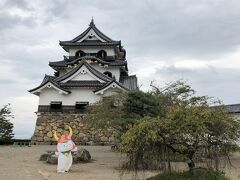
x=92, y=21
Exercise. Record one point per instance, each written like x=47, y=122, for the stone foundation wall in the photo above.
x=83, y=134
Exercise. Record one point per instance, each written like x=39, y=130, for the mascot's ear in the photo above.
x=55, y=136
x=70, y=131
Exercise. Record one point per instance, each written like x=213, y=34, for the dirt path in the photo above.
x=21, y=163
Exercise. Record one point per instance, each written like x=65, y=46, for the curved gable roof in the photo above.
x=95, y=29
x=49, y=79
x=108, y=85
x=92, y=70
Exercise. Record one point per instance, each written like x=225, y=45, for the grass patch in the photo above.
x=208, y=175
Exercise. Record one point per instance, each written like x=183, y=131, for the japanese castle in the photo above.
x=95, y=68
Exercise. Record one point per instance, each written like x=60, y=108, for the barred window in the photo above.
x=56, y=106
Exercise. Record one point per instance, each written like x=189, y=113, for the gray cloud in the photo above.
x=8, y=21
x=215, y=82
x=17, y=3
x=188, y=28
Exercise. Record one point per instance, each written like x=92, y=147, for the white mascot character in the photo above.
x=64, y=148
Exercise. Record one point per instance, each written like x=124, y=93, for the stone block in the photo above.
x=81, y=135
x=46, y=139
x=104, y=139
x=82, y=131
x=50, y=134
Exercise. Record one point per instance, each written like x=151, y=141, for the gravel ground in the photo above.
x=22, y=163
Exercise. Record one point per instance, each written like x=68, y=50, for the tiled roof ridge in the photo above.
x=64, y=63
x=82, y=83
x=89, y=57
x=69, y=43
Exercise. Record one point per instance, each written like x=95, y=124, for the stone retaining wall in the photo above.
x=82, y=133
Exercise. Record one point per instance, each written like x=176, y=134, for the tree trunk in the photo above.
x=163, y=163
x=168, y=159
x=216, y=159
x=191, y=164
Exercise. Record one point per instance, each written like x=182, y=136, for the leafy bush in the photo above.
x=209, y=175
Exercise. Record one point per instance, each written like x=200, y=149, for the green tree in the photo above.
x=6, y=127
x=167, y=121
x=190, y=127
x=138, y=104
x=107, y=112
x=123, y=110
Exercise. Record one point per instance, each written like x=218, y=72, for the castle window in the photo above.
x=102, y=54
x=80, y=53
x=56, y=106
x=56, y=73
x=109, y=74
x=80, y=107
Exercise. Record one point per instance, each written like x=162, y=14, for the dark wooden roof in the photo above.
x=96, y=30
x=96, y=85
x=68, y=43
x=110, y=63
x=61, y=64
x=229, y=108
x=73, y=42
x=232, y=108
x=88, y=84
x=50, y=79
x=56, y=65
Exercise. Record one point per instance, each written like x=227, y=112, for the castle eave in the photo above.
x=64, y=63
x=48, y=82
x=79, y=84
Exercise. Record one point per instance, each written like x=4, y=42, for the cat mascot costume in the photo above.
x=65, y=146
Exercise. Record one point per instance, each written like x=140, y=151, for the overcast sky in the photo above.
x=165, y=40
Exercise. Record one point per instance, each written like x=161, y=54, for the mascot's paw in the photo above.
x=67, y=170
x=61, y=171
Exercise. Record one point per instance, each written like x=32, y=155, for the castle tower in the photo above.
x=95, y=68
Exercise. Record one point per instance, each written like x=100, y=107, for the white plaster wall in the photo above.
x=110, y=50
x=115, y=70
x=80, y=95
x=83, y=77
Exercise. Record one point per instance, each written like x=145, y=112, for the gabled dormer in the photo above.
x=93, y=34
